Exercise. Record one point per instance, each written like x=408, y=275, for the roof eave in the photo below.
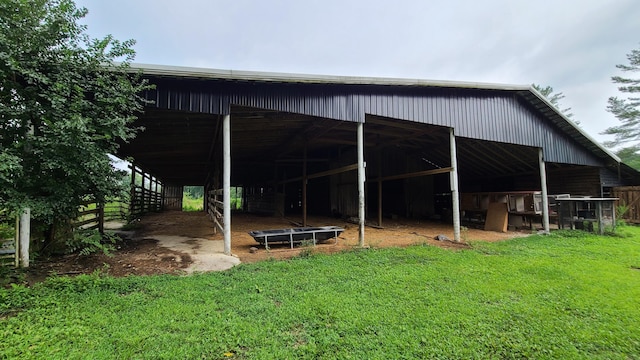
x=573, y=124
x=201, y=73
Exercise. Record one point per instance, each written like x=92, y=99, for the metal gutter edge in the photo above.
x=202, y=73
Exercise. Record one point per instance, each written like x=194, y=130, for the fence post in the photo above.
x=16, y=238
x=100, y=218
x=25, y=236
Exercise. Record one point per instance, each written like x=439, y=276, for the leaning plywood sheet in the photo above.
x=497, y=217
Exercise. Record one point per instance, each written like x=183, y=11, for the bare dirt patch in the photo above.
x=140, y=254
x=396, y=233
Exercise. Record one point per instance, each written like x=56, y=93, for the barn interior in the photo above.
x=273, y=151
x=293, y=147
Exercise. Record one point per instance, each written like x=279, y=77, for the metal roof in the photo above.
x=499, y=126
x=531, y=95
x=204, y=73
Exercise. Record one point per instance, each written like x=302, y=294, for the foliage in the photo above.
x=192, y=198
x=7, y=226
x=62, y=109
x=630, y=155
x=627, y=111
x=86, y=242
x=236, y=198
x=194, y=191
x=554, y=99
x=192, y=204
x=566, y=296
x=621, y=211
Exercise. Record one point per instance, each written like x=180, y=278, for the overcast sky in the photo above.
x=571, y=45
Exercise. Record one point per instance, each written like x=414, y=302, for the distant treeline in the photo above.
x=195, y=192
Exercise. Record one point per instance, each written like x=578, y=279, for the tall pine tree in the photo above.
x=627, y=110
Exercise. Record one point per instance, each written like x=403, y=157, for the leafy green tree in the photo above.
x=64, y=105
x=627, y=111
x=554, y=99
x=196, y=192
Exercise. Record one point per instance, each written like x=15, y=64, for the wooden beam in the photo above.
x=414, y=174
x=322, y=173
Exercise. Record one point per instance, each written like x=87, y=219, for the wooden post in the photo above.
x=16, y=237
x=543, y=185
x=304, y=187
x=455, y=197
x=226, y=181
x=613, y=216
x=163, y=196
x=155, y=194
x=361, y=180
x=599, y=215
x=100, y=217
x=25, y=236
x=132, y=199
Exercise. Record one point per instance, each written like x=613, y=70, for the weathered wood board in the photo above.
x=497, y=217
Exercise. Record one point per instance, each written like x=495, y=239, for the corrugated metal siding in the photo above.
x=478, y=114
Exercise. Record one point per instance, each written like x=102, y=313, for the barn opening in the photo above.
x=362, y=149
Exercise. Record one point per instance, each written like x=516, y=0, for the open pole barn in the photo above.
x=358, y=148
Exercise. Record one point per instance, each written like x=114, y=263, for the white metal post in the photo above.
x=25, y=236
x=226, y=182
x=361, y=180
x=543, y=185
x=455, y=197
x=304, y=187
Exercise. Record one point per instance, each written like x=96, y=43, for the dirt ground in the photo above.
x=139, y=253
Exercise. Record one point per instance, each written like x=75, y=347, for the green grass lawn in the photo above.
x=559, y=296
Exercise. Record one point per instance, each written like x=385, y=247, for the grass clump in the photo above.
x=560, y=296
x=190, y=203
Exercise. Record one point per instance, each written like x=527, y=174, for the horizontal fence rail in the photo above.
x=147, y=193
x=9, y=241
x=215, y=208
x=90, y=217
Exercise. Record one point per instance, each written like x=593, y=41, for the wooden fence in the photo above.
x=90, y=216
x=215, y=210
x=628, y=196
x=93, y=215
x=146, y=192
x=9, y=242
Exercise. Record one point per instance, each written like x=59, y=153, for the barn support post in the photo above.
x=304, y=187
x=455, y=197
x=226, y=181
x=163, y=197
x=25, y=236
x=361, y=180
x=132, y=197
x=379, y=180
x=543, y=185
